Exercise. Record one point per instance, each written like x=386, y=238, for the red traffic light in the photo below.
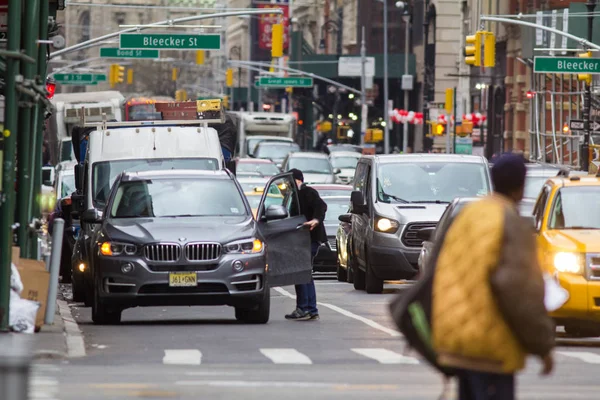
x=50, y=88
x=530, y=94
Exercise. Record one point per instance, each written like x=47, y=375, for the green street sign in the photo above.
x=79, y=79
x=164, y=41
x=109, y=52
x=566, y=65
x=274, y=82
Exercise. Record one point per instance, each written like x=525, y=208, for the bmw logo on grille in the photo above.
x=182, y=239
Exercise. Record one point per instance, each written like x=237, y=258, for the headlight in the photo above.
x=569, y=262
x=386, y=225
x=246, y=246
x=117, y=249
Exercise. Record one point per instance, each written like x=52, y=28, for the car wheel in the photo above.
x=65, y=263
x=78, y=291
x=359, y=276
x=372, y=283
x=102, y=315
x=342, y=273
x=257, y=315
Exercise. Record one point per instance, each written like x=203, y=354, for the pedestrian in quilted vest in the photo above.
x=488, y=309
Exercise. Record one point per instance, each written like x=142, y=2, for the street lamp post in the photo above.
x=337, y=25
x=237, y=50
x=406, y=18
x=386, y=89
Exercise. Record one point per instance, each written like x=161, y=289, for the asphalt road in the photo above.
x=353, y=352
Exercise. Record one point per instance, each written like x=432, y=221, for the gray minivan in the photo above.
x=394, y=197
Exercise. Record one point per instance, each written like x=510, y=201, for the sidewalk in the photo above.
x=60, y=340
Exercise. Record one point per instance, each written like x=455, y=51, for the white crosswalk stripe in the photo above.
x=182, y=357
x=42, y=384
x=385, y=356
x=585, y=356
x=286, y=356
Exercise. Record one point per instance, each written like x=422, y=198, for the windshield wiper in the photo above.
x=391, y=196
x=431, y=201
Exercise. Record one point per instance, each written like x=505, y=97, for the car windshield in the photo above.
x=275, y=151
x=568, y=204
x=260, y=169
x=67, y=185
x=533, y=186
x=344, y=162
x=335, y=208
x=430, y=182
x=104, y=173
x=158, y=198
x=310, y=165
x=252, y=143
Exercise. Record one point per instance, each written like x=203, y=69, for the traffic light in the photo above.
x=229, y=77
x=489, y=50
x=129, y=76
x=587, y=78
x=473, y=49
x=277, y=40
x=438, y=128
x=181, y=95
x=225, y=101
x=200, y=57
x=449, y=106
x=116, y=74
x=174, y=73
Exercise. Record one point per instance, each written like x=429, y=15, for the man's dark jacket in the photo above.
x=227, y=133
x=313, y=207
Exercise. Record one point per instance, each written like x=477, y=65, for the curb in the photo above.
x=73, y=335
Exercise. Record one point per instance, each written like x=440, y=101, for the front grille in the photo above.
x=409, y=236
x=162, y=252
x=164, y=288
x=202, y=251
x=333, y=245
x=182, y=268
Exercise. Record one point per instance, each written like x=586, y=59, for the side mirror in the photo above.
x=91, y=216
x=78, y=201
x=337, y=171
x=425, y=234
x=358, y=203
x=79, y=177
x=275, y=212
x=347, y=218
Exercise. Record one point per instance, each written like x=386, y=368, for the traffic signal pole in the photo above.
x=587, y=97
x=26, y=136
x=7, y=200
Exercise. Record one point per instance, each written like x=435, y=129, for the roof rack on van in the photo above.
x=200, y=112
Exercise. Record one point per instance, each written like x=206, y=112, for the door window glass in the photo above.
x=360, y=177
x=282, y=192
x=540, y=206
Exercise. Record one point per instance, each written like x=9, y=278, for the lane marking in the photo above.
x=585, y=356
x=182, y=357
x=384, y=356
x=348, y=314
x=286, y=356
x=213, y=373
x=272, y=384
x=74, y=337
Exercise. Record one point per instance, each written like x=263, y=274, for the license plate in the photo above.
x=183, y=279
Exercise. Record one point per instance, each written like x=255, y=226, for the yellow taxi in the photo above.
x=567, y=221
x=254, y=196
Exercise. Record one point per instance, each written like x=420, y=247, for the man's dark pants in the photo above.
x=306, y=294
x=474, y=385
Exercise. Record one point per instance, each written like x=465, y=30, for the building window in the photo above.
x=84, y=22
x=120, y=18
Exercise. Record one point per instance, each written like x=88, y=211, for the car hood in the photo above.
x=574, y=240
x=318, y=178
x=407, y=213
x=180, y=229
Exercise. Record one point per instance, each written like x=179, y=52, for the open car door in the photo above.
x=288, y=241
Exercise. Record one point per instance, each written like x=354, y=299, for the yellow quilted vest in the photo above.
x=468, y=329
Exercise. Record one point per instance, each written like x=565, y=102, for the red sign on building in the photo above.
x=266, y=22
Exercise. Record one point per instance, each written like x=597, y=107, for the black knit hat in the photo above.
x=297, y=174
x=508, y=173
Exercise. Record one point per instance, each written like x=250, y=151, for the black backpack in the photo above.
x=411, y=311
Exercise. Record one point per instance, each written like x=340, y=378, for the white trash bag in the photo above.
x=15, y=279
x=22, y=313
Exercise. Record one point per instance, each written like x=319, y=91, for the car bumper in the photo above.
x=326, y=258
x=584, y=299
x=390, y=263
x=148, y=285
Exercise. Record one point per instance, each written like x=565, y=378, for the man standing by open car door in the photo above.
x=314, y=209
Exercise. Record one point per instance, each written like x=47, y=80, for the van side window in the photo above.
x=367, y=191
x=540, y=207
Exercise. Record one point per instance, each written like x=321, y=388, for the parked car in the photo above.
x=346, y=161
x=315, y=167
x=157, y=245
x=275, y=151
x=394, y=197
x=255, y=167
x=326, y=259
x=430, y=235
